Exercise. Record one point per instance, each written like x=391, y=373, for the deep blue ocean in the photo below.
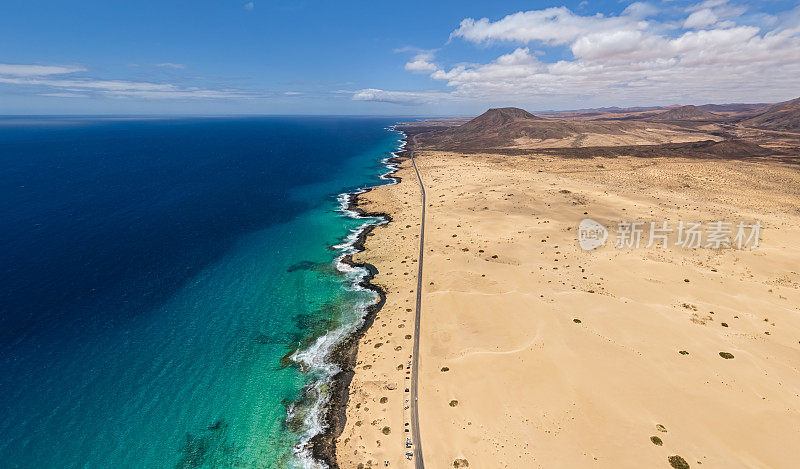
x=154, y=272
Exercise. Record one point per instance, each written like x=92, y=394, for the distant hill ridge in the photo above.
x=689, y=112
x=515, y=128
x=782, y=116
x=511, y=126
x=735, y=107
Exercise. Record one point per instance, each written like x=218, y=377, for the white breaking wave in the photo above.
x=314, y=359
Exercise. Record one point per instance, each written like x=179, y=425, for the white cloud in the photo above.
x=700, y=19
x=16, y=70
x=640, y=10
x=399, y=97
x=555, y=26
x=705, y=57
x=421, y=62
x=249, y=6
x=171, y=65
x=736, y=60
x=712, y=12
x=60, y=82
x=706, y=4
x=65, y=95
x=178, y=93
x=623, y=44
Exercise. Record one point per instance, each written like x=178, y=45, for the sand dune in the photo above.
x=535, y=388
x=536, y=353
x=556, y=357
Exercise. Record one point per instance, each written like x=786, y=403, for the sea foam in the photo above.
x=315, y=359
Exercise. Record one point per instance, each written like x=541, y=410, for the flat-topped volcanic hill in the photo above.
x=782, y=116
x=516, y=128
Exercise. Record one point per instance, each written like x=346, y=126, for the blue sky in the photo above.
x=409, y=58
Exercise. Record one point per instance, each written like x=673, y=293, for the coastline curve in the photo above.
x=326, y=422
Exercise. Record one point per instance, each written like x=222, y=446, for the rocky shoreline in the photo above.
x=344, y=355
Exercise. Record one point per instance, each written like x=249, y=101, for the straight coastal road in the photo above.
x=416, y=440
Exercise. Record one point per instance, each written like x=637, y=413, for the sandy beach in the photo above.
x=376, y=409
x=536, y=353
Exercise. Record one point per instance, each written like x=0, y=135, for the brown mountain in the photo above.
x=504, y=127
x=496, y=118
x=782, y=116
x=685, y=113
x=517, y=128
x=497, y=127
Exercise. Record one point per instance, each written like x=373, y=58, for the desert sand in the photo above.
x=377, y=411
x=536, y=353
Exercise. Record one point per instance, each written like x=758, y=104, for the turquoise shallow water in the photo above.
x=194, y=377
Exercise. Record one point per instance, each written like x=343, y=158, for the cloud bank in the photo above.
x=406, y=98
x=709, y=54
x=59, y=81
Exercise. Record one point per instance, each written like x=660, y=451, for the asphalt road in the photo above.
x=415, y=438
